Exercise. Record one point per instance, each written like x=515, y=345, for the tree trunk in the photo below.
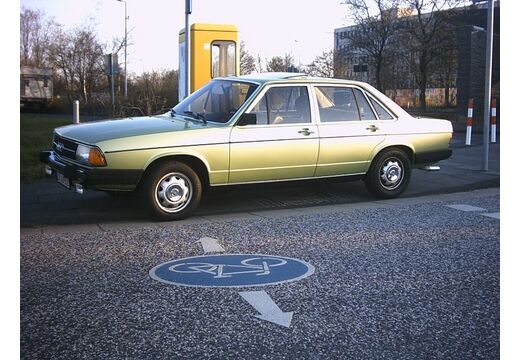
x=423, y=79
x=379, y=65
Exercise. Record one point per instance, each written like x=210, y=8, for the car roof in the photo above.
x=287, y=77
x=262, y=78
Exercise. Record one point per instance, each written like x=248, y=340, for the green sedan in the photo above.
x=250, y=129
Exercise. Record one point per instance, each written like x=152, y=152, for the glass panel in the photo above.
x=260, y=110
x=365, y=111
x=223, y=55
x=382, y=113
x=215, y=60
x=336, y=104
x=217, y=101
x=288, y=105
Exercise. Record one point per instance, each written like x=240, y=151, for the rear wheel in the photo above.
x=389, y=174
x=172, y=190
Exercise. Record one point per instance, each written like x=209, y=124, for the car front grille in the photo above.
x=64, y=147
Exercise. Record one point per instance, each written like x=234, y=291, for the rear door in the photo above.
x=349, y=130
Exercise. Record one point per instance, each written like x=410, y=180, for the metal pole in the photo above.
x=487, y=89
x=112, y=83
x=126, y=43
x=187, y=46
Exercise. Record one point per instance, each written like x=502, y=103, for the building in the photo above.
x=457, y=76
x=36, y=87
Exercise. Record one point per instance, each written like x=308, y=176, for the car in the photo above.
x=250, y=129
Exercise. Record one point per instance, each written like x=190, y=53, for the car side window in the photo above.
x=382, y=113
x=283, y=105
x=260, y=110
x=365, y=111
x=336, y=104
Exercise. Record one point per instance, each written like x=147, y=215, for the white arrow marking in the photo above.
x=210, y=245
x=492, y=215
x=464, y=207
x=268, y=310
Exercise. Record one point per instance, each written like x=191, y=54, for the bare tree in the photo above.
x=446, y=69
x=247, y=61
x=280, y=64
x=78, y=56
x=35, y=37
x=428, y=34
x=275, y=64
x=322, y=65
x=259, y=66
x=154, y=92
x=375, y=27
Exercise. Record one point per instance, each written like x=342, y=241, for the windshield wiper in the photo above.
x=196, y=115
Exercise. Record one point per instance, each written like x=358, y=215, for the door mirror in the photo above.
x=247, y=119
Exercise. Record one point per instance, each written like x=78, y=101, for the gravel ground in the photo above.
x=411, y=282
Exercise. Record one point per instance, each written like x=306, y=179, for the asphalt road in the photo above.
x=408, y=280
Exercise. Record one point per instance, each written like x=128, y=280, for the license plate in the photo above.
x=63, y=180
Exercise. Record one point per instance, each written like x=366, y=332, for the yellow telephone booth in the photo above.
x=214, y=53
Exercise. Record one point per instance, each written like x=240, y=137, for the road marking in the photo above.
x=463, y=207
x=492, y=215
x=231, y=270
x=210, y=245
x=267, y=308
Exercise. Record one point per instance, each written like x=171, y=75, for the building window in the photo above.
x=361, y=68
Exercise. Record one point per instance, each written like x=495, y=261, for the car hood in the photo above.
x=99, y=131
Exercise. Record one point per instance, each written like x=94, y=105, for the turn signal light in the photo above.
x=96, y=157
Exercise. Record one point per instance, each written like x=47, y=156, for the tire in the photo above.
x=389, y=174
x=172, y=190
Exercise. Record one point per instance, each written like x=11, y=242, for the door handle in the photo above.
x=372, y=128
x=305, y=131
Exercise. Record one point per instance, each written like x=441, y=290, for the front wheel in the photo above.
x=172, y=191
x=389, y=174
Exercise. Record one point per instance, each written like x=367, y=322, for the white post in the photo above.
x=75, y=112
x=494, y=121
x=469, y=122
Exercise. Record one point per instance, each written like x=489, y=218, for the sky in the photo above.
x=269, y=28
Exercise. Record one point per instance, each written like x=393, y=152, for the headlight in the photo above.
x=90, y=155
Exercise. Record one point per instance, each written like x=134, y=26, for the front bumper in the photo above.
x=94, y=178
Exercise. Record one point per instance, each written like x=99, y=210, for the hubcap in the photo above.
x=391, y=174
x=173, y=192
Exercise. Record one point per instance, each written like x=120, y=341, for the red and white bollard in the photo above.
x=469, y=122
x=494, y=120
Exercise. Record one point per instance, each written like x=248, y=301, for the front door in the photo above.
x=282, y=144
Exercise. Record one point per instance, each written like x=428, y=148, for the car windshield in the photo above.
x=217, y=101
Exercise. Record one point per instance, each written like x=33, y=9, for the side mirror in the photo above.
x=247, y=119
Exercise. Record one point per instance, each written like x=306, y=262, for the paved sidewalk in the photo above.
x=46, y=207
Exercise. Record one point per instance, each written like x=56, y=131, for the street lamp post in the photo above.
x=488, y=79
x=126, y=42
x=187, y=45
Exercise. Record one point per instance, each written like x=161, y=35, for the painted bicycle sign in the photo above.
x=231, y=270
